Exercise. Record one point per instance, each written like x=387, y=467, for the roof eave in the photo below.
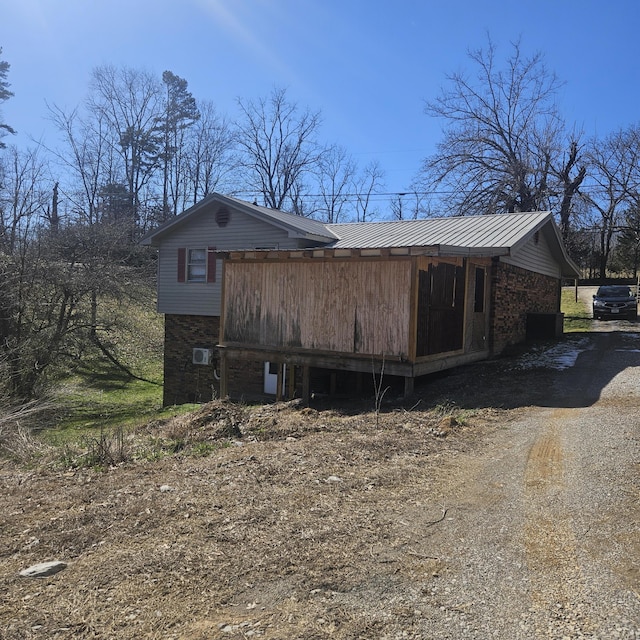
x=263, y=212
x=477, y=252
x=154, y=236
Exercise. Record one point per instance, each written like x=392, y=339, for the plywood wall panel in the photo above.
x=346, y=306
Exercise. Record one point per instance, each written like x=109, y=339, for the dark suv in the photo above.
x=615, y=301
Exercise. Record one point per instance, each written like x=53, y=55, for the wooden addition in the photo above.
x=354, y=310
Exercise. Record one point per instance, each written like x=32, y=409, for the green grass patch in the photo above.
x=99, y=397
x=103, y=402
x=577, y=317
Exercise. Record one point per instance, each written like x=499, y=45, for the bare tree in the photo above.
x=278, y=145
x=23, y=195
x=614, y=170
x=569, y=184
x=210, y=154
x=28, y=307
x=366, y=184
x=87, y=158
x=628, y=247
x=407, y=206
x=336, y=173
x=500, y=151
x=130, y=103
x=50, y=286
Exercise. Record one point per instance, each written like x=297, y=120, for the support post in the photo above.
x=333, y=378
x=408, y=385
x=291, y=382
x=279, y=385
x=306, y=384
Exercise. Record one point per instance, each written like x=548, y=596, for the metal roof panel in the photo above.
x=491, y=231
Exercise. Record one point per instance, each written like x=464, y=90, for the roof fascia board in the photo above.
x=478, y=252
x=152, y=237
x=292, y=230
x=435, y=251
x=549, y=227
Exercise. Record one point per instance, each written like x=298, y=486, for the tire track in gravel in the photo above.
x=578, y=529
x=557, y=584
x=542, y=533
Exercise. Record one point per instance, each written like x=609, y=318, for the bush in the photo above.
x=16, y=429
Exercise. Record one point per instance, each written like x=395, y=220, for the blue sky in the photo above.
x=367, y=65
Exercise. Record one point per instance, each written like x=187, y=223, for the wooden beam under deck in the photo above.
x=321, y=360
x=343, y=362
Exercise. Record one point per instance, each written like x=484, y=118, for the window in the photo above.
x=197, y=265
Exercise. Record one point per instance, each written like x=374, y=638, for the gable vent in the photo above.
x=223, y=215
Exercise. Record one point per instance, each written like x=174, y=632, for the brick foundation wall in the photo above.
x=187, y=382
x=246, y=380
x=516, y=292
x=183, y=380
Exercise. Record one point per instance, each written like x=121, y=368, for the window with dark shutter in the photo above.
x=211, y=264
x=478, y=302
x=197, y=265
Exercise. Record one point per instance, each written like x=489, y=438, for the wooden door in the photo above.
x=440, y=326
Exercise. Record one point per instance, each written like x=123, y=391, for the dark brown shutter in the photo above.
x=211, y=264
x=182, y=265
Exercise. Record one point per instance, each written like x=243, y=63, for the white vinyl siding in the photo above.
x=202, y=298
x=535, y=256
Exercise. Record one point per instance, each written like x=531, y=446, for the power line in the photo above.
x=398, y=194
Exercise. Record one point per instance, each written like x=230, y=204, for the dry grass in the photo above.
x=17, y=424
x=297, y=523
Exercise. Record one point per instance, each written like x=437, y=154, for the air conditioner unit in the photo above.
x=202, y=356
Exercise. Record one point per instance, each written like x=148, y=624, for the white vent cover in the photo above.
x=202, y=356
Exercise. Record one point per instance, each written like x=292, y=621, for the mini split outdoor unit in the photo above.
x=202, y=356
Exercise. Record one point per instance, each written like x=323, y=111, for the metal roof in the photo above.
x=293, y=224
x=307, y=226
x=490, y=235
x=492, y=232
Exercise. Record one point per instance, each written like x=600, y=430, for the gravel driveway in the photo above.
x=521, y=523
x=542, y=533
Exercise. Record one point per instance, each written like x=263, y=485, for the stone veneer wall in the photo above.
x=516, y=292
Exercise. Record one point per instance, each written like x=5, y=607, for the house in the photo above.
x=190, y=280
x=282, y=304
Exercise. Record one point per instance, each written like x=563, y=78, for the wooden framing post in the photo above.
x=291, y=382
x=279, y=384
x=306, y=384
x=408, y=385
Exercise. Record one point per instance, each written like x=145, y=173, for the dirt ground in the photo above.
x=499, y=502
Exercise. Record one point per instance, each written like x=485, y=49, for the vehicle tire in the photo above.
x=633, y=316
